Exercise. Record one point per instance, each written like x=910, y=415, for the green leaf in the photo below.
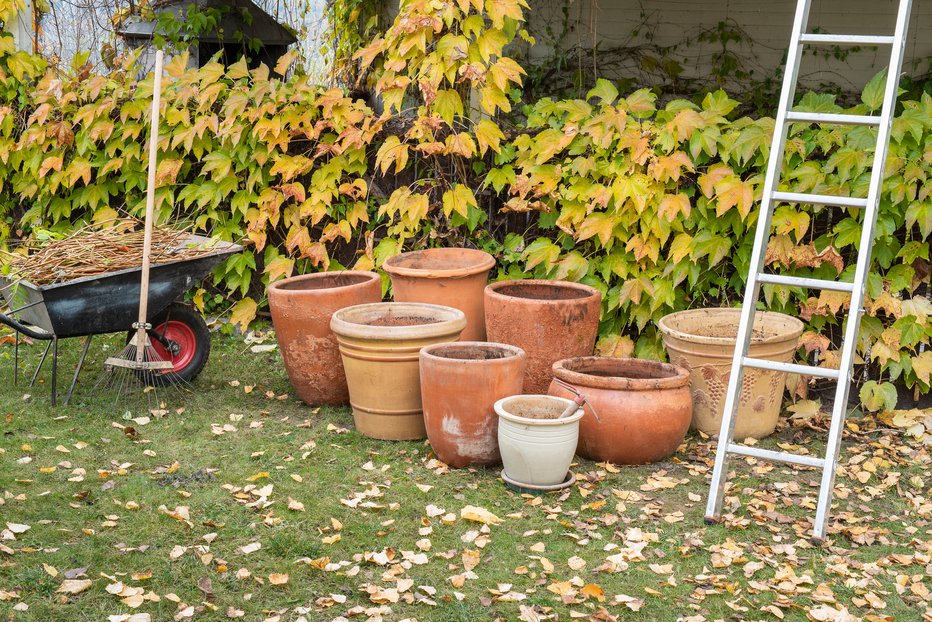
x=876, y=396
x=605, y=91
x=872, y=95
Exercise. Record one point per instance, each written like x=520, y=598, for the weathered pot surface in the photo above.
x=550, y=320
x=644, y=408
x=703, y=341
x=460, y=383
x=454, y=277
x=537, y=447
x=301, y=308
x=380, y=346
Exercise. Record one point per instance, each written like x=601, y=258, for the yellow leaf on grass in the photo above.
x=479, y=515
x=277, y=578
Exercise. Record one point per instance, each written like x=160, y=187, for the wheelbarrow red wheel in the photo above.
x=180, y=335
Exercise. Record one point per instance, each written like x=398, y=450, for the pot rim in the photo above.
x=499, y=407
x=475, y=262
x=513, y=352
x=281, y=286
x=581, y=379
x=492, y=291
x=664, y=324
x=450, y=321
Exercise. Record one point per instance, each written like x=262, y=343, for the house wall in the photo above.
x=613, y=23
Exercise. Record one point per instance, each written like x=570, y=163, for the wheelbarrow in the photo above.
x=109, y=303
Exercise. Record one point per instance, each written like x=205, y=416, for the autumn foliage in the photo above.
x=653, y=204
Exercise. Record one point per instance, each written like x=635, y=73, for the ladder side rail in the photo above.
x=745, y=325
x=861, y=271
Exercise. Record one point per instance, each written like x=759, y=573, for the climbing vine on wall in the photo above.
x=652, y=203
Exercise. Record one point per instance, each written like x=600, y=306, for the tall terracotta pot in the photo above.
x=644, y=407
x=549, y=320
x=380, y=344
x=454, y=277
x=460, y=383
x=301, y=309
x=703, y=341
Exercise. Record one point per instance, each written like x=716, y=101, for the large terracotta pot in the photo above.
x=550, y=320
x=380, y=344
x=537, y=447
x=644, y=407
x=703, y=341
x=301, y=309
x=454, y=277
x=460, y=383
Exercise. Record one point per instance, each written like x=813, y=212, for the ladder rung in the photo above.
x=798, y=281
x=847, y=39
x=837, y=119
x=819, y=199
x=803, y=370
x=777, y=456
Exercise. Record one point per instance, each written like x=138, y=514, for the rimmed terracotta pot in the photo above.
x=301, y=309
x=550, y=320
x=703, y=341
x=537, y=447
x=454, y=277
x=644, y=407
x=460, y=383
x=380, y=344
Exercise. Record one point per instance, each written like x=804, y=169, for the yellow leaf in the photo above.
x=244, y=312
x=489, y=136
x=672, y=205
x=277, y=578
x=459, y=200
x=479, y=515
x=257, y=476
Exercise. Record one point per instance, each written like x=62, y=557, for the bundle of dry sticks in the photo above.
x=92, y=251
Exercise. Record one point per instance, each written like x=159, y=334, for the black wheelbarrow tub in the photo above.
x=109, y=302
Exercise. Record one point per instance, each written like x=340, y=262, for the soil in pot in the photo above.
x=380, y=346
x=536, y=450
x=549, y=320
x=460, y=383
x=644, y=407
x=301, y=309
x=454, y=277
x=703, y=341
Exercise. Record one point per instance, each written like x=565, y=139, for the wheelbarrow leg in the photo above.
x=77, y=371
x=54, y=368
x=35, y=376
x=16, y=358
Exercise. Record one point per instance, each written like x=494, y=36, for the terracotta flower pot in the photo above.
x=703, y=341
x=460, y=383
x=550, y=320
x=644, y=407
x=454, y=277
x=380, y=344
x=301, y=309
x=537, y=447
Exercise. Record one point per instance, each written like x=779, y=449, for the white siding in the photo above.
x=766, y=22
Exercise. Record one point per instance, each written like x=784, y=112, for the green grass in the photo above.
x=177, y=460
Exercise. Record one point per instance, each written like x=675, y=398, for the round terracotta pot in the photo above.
x=644, y=407
x=301, y=309
x=453, y=277
x=460, y=383
x=380, y=344
x=703, y=341
x=550, y=320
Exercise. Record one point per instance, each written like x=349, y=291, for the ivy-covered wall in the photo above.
x=655, y=205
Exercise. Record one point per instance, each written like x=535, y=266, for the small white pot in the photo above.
x=537, y=452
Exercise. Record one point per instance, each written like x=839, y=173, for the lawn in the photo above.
x=240, y=502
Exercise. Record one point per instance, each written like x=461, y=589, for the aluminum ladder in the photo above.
x=772, y=196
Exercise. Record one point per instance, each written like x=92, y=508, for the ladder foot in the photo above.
x=712, y=520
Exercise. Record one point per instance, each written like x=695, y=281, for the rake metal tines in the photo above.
x=135, y=375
